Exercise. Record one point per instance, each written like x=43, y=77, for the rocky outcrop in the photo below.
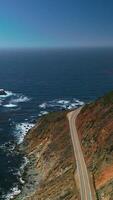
x=2, y=92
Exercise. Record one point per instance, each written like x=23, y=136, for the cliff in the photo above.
x=95, y=128
x=50, y=172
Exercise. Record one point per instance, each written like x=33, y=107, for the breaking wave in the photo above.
x=21, y=130
x=20, y=99
x=10, y=105
x=8, y=94
x=59, y=104
x=11, y=100
x=13, y=192
x=42, y=113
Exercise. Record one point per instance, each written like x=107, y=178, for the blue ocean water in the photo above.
x=39, y=81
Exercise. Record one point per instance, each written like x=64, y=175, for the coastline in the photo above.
x=29, y=174
x=51, y=160
x=20, y=131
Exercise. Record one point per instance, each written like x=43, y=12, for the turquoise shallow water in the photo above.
x=39, y=81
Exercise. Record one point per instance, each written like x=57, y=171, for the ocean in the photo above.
x=40, y=81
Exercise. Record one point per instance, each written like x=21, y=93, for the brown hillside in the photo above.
x=95, y=128
x=49, y=149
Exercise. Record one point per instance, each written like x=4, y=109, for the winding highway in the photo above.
x=86, y=191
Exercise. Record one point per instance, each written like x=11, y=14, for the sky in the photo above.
x=56, y=23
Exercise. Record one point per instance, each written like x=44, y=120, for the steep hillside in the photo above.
x=95, y=128
x=50, y=172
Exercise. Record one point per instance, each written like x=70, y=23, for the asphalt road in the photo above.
x=86, y=192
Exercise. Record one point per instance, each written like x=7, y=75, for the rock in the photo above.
x=2, y=92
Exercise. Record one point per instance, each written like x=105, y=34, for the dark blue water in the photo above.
x=37, y=82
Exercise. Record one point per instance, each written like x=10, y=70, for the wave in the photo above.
x=43, y=113
x=59, y=104
x=25, y=162
x=13, y=192
x=13, y=100
x=8, y=94
x=20, y=99
x=43, y=105
x=10, y=105
x=21, y=130
x=63, y=101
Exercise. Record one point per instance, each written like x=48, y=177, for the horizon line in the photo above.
x=55, y=47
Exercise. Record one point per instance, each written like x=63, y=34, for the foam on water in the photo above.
x=43, y=105
x=20, y=172
x=11, y=100
x=63, y=101
x=20, y=99
x=10, y=105
x=25, y=162
x=21, y=130
x=43, y=113
x=8, y=94
x=13, y=192
x=59, y=104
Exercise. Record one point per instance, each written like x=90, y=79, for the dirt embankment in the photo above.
x=95, y=128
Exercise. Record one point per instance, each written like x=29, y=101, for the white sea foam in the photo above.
x=21, y=170
x=13, y=192
x=81, y=103
x=60, y=104
x=20, y=99
x=69, y=107
x=43, y=105
x=63, y=101
x=21, y=130
x=8, y=94
x=13, y=100
x=10, y=105
x=25, y=162
x=21, y=180
x=43, y=113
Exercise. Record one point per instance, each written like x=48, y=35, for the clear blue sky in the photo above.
x=56, y=23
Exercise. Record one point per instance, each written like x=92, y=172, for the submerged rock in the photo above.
x=2, y=92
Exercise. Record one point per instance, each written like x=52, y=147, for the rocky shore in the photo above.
x=49, y=173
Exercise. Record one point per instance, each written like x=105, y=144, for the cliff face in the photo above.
x=95, y=128
x=50, y=172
